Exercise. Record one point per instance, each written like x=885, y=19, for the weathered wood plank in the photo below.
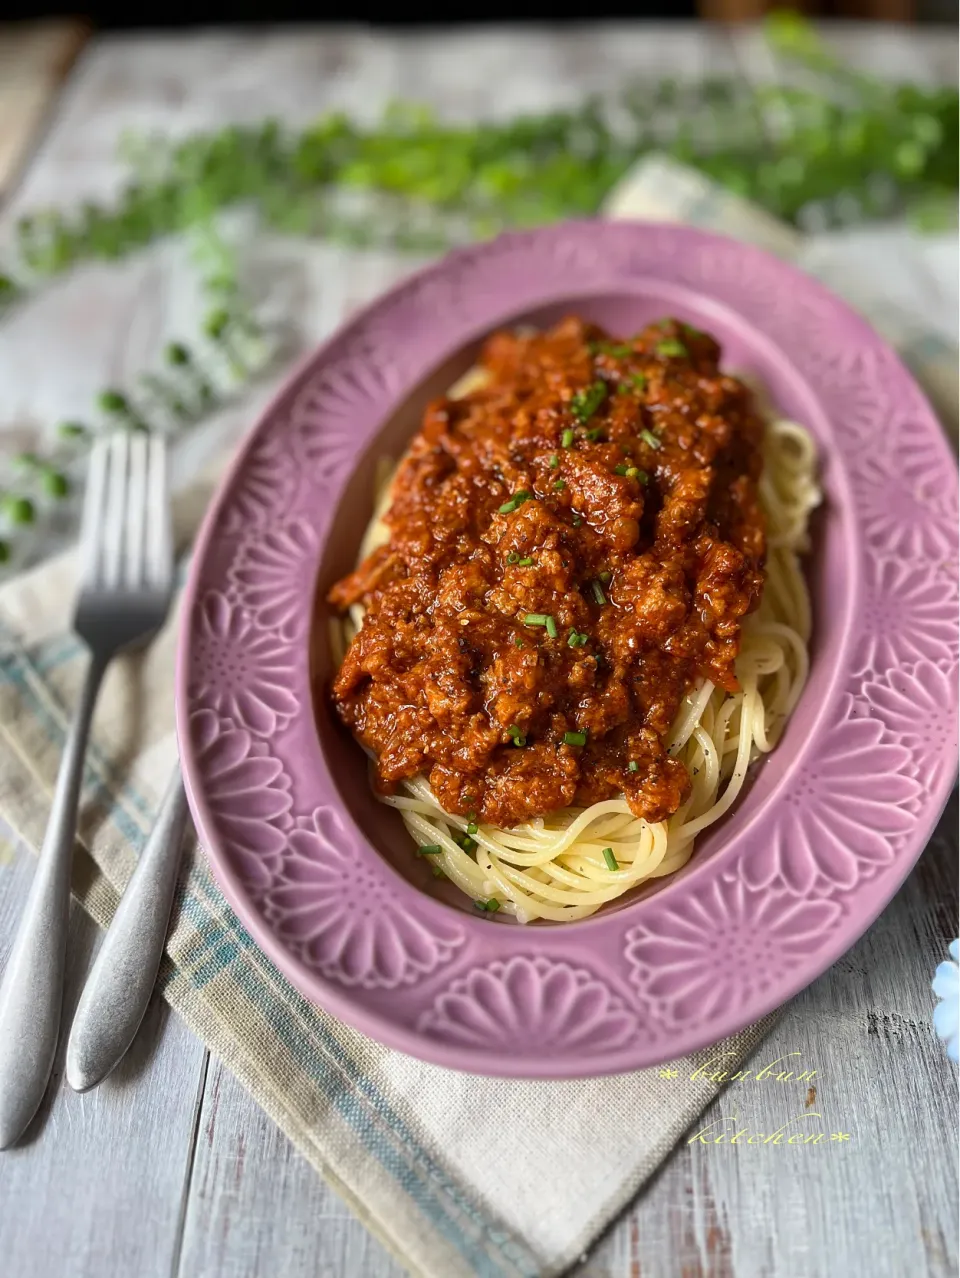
x=882, y=1203
x=35, y=57
x=258, y=1209
x=97, y=1187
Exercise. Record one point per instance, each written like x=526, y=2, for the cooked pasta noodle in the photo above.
x=555, y=867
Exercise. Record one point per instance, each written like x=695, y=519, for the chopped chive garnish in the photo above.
x=468, y=844
x=621, y=469
x=577, y=521
x=541, y=619
x=610, y=859
x=594, y=434
x=516, y=500
x=605, y=577
x=641, y=477
x=575, y=738
x=586, y=402
x=518, y=643
x=633, y=766
x=691, y=331
x=632, y=472
x=566, y=439
x=429, y=849
x=516, y=736
x=554, y=461
x=671, y=347
x=560, y=485
x=577, y=640
x=618, y=351
x=513, y=557
x=472, y=827
x=598, y=594
x=524, y=563
x=650, y=439
x=632, y=382
x=437, y=872
x=490, y=907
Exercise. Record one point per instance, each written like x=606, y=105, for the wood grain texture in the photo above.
x=882, y=1203
x=171, y=1169
x=256, y=1206
x=97, y=1188
x=34, y=60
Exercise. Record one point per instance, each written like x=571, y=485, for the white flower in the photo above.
x=946, y=1015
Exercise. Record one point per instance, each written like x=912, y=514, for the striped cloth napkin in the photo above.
x=506, y=1178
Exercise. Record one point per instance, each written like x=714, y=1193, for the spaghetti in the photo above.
x=566, y=864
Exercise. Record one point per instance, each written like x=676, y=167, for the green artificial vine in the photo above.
x=828, y=146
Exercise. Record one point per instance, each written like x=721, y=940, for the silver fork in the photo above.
x=127, y=583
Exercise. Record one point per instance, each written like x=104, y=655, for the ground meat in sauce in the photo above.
x=631, y=531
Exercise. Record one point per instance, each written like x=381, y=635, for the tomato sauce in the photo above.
x=572, y=547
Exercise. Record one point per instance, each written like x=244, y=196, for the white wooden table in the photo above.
x=169, y=1170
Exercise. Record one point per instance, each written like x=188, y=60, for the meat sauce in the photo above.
x=571, y=547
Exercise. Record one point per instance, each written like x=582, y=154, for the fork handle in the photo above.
x=31, y=992
x=119, y=986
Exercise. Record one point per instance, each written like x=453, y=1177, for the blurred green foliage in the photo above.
x=826, y=145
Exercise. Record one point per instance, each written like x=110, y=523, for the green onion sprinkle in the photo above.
x=515, y=501
x=586, y=402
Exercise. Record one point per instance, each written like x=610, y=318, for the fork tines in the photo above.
x=125, y=533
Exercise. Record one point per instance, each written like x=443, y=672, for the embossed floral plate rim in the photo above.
x=742, y=931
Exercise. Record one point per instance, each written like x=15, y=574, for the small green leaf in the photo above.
x=177, y=354
x=19, y=510
x=113, y=402
x=72, y=430
x=55, y=484
x=216, y=323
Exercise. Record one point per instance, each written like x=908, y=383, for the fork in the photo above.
x=127, y=583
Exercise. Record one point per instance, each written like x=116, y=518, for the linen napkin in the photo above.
x=504, y=1178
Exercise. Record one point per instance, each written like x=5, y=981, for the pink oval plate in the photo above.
x=325, y=878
